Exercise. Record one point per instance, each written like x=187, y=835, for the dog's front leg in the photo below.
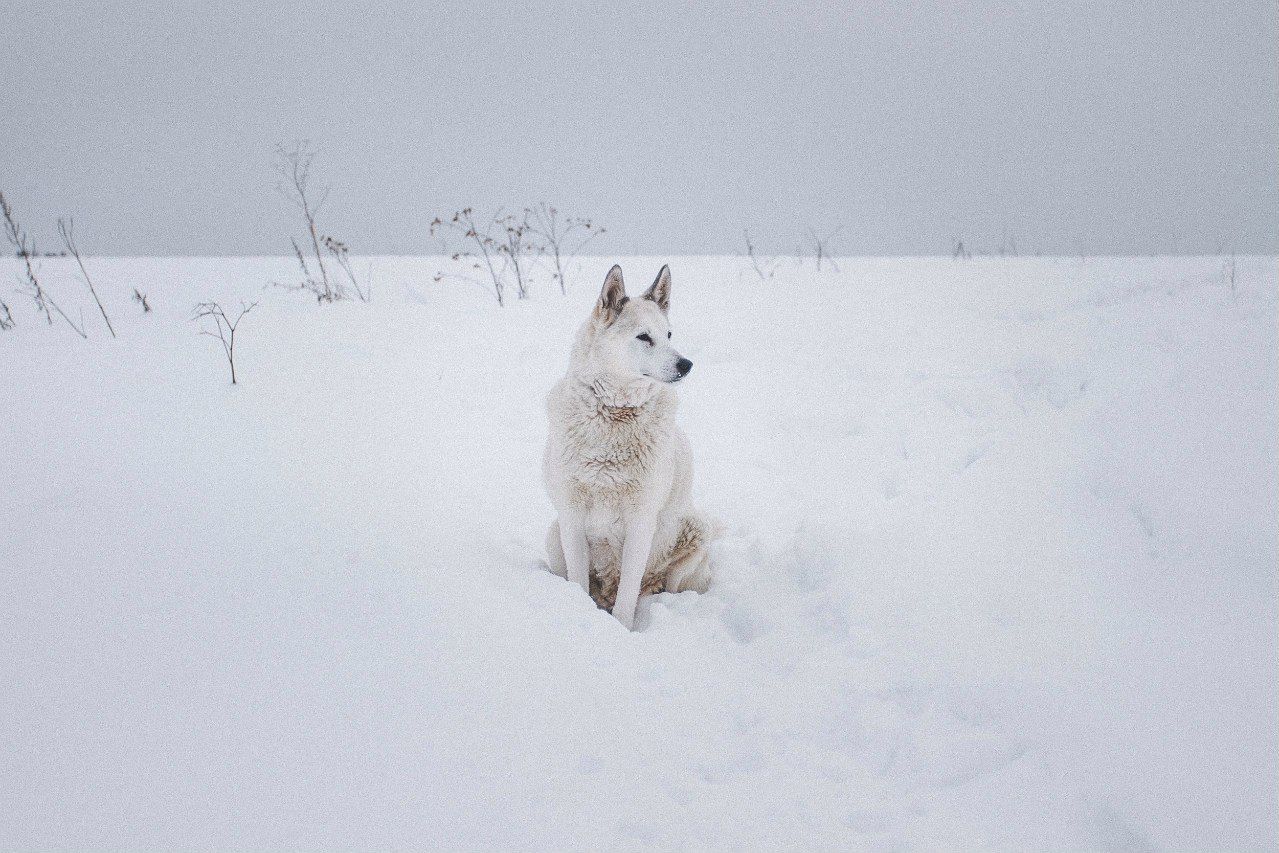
x=635, y=551
x=577, y=554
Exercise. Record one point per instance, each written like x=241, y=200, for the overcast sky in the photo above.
x=1113, y=127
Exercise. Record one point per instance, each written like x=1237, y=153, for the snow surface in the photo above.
x=999, y=570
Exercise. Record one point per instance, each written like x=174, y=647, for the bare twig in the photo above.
x=340, y=253
x=141, y=298
x=6, y=317
x=473, y=263
x=564, y=237
x=293, y=168
x=224, y=327
x=486, y=249
x=821, y=246
x=66, y=229
x=297, y=253
x=764, y=271
x=18, y=237
x=517, y=245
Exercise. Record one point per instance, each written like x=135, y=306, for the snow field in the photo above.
x=998, y=568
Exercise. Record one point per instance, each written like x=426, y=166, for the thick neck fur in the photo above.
x=612, y=391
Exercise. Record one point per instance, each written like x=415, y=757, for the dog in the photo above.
x=617, y=467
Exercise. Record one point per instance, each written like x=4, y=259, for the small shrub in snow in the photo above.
x=224, y=327
x=563, y=237
x=520, y=248
x=141, y=298
x=293, y=167
x=479, y=247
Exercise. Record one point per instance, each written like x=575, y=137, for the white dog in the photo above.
x=617, y=467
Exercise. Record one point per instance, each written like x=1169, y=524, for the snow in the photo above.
x=999, y=568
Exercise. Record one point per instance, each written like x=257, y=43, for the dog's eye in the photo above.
x=645, y=338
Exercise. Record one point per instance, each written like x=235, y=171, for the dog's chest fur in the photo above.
x=613, y=454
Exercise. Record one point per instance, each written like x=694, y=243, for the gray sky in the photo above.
x=1111, y=127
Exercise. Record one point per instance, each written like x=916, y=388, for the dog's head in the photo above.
x=633, y=336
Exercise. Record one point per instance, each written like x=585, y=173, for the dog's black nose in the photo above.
x=683, y=366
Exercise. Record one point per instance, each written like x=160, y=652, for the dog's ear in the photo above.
x=612, y=296
x=660, y=291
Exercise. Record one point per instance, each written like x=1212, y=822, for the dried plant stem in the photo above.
x=66, y=229
x=224, y=327
x=17, y=235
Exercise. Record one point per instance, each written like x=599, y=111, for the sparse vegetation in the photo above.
x=763, y=268
x=513, y=243
x=293, y=169
x=141, y=298
x=1007, y=247
x=520, y=248
x=480, y=249
x=30, y=281
x=66, y=230
x=563, y=237
x=341, y=254
x=821, y=247
x=224, y=327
